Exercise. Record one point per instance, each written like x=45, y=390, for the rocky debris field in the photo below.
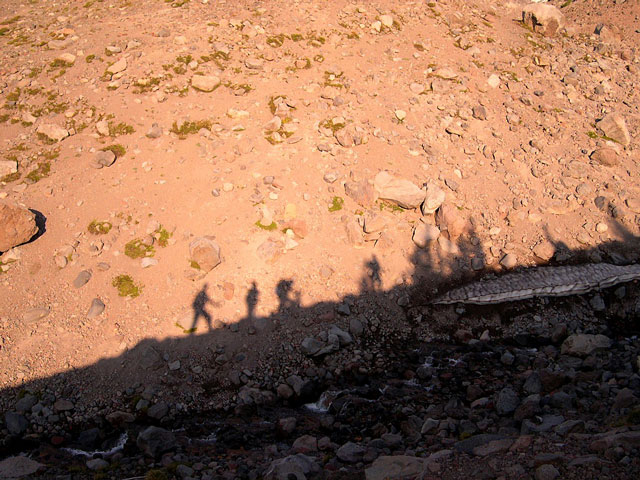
x=222, y=223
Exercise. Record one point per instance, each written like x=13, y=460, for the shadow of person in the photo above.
x=199, y=303
x=252, y=301
x=371, y=281
x=287, y=297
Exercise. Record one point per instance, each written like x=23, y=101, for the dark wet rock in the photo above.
x=15, y=423
x=154, y=441
x=351, y=452
x=293, y=467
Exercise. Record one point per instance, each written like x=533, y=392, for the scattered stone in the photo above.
x=615, y=128
x=509, y=261
x=547, y=472
x=493, y=81
x=155, y=131
x=544, y=250
x=82, y=278
x=102, y=127
x=205, y=252
x=205, y=83
x=448, y=219
x=104, y=159
x=270, y=250
x=53, y=132
x=425, y=234
x=15, y=423
x=253, y=64
x=147, y=262
x=158, y=411
x=117, y=67
x=67, y=58
x=398, y=190
x=582, y=344
x=605, y=156
x=35, y=314
x=434, y=197
x=296, y=466
x=311, y=346
x=543, y=18
x=351, y=452
x=7, y=167
x=400, y=467
x=18, y=467
x=153, y=441
x=97, y=307
x=507, y=401
x=479, y=112
x=17, y=225
x=363, y=193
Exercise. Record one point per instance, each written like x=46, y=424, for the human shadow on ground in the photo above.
x=229, y=361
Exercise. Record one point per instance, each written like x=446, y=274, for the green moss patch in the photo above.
x=126, y=286
x=40, y=172
x=336, y=204
x=270, y=227
x=121, y=128
x=190, y=128
x=138, y=249
x=117, y=149
x=99, y=228
x=163, y=236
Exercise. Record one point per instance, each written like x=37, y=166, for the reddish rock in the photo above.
x=17, y=225
x=605, y=156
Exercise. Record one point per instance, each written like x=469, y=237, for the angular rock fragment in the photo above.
x=543, y=18
x=205, y=252
x=17, y=225
x=398, y=190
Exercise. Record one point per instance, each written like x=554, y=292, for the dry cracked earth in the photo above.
x=232, y=207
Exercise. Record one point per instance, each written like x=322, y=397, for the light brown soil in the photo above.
x=521, y=177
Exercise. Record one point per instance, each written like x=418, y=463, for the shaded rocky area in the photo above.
x=538, y=389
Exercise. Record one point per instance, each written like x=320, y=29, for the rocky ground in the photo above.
x=215, y=213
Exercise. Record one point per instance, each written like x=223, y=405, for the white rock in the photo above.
x=205, y=83
x=386, y=20
x=424, y=234
x=67, y=58
x=493, y=81
x=119, y=66
x=53, y=132
x=398, y=190
x=7, y=167
x=434, y=197
x=102, y=127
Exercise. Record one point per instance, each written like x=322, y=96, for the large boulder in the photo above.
x=398, y=190
x=17, y=225
x=543, y=18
